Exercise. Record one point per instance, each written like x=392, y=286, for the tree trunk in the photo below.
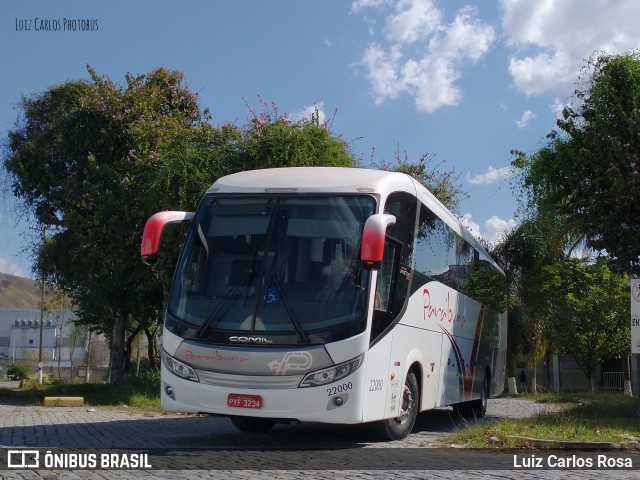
x=152, y=348
x=128, y=350
x=118, y=352
x=534, y=382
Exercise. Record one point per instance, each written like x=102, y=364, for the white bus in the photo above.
x=335, y=295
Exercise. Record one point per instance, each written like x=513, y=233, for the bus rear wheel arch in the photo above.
x=477, y=408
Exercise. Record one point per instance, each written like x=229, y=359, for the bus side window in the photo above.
x=385, y=279
x=395, y=270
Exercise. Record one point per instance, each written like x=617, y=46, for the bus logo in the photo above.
x=23, y=459
x=291, y=362
x=239, y=339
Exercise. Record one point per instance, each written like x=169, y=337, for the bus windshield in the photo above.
x=281, y=268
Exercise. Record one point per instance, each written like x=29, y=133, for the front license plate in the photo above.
x=244, y=401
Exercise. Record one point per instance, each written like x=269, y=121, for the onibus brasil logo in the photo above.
x=22, y=459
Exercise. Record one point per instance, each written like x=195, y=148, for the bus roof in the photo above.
x=309, y=179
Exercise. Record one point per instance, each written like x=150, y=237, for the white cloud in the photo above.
x=526, y=117
x=423, y=56
x=492, y=175
x=359, y=5
x=557, y=107
x=310, y=111
x=551, y=39
x=469, y=224
x=382, y=71
x=494, y=228
x=413, y=21
x=9, y=266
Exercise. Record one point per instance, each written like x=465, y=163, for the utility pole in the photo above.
x=634, y=283
x=42, y=229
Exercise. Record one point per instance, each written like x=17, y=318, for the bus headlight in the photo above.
x=178, y=368
x=333, y=374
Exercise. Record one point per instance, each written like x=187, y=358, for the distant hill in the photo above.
x=18, y=292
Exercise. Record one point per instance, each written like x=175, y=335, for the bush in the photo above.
x=18, y=372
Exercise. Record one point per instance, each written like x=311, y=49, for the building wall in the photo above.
x=61, y=344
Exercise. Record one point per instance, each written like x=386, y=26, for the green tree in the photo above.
x=588, y=308
x=88, y=157
x=19, y=371
x=523, y=254
x=273, y=140
x=443, y=184
x=588, y=174
x=95, y=159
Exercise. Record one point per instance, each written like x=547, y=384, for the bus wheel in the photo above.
x=252, y=424
x=475, y=408
x=401, y=426
x=479, y=407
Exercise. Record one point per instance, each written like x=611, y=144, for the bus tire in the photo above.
x=401, y=426
x=476, y=408
x=479, y=407
x=252, y=424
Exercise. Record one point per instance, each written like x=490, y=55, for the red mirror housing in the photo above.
x=153, y=231
x=373, y=237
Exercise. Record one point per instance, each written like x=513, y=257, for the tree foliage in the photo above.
x=273, y=140
x=523, y=254
x=588, y=174
x=442, y=183
x=94, y=159
x=19, y=371
x=88, y=158
x=588, y=308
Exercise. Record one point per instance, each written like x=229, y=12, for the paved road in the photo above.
x=97, y=429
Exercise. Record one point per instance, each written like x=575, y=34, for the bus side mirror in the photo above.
x=373, y=238
x=153, y=232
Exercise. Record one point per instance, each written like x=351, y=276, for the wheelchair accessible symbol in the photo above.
x=270, y=295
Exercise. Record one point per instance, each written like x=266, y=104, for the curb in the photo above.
x=63, y=401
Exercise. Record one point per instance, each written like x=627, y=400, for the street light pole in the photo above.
x=42, y=229
x=40, y=362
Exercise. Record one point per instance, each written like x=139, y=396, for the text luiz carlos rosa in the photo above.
x=572, y=461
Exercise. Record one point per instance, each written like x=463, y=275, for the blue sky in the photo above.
x=464, y=81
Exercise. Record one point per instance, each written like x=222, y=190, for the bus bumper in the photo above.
x=339, y=402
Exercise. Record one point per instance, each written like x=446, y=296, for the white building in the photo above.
x=64, y=345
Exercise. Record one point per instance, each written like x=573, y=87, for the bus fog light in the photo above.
x=338, y=401
x=168, y=389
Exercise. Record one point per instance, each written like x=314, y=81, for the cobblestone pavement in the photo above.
x=82, y=429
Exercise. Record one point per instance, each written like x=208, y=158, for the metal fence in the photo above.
x=613, y=381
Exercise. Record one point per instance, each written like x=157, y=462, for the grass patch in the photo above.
x=141, y=391
x=582, y=417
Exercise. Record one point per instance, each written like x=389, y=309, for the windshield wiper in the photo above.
x=224, y=306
